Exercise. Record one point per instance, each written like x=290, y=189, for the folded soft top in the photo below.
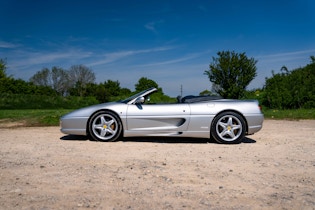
x=194, y=99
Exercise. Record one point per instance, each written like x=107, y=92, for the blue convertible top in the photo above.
x=194, y=99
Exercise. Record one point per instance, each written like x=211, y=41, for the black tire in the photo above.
x=228, y=128
x=104, y=126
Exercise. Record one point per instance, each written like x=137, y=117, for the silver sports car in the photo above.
x=226, y=120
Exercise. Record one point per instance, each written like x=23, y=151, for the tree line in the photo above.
x=229, y=73
x=291, y=89
x=61, y=86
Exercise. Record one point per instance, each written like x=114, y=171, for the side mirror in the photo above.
x=139, y=100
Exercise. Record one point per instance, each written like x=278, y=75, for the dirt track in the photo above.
x=40, y=168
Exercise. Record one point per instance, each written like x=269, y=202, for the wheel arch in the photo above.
x=108, y=110
x=235, y=111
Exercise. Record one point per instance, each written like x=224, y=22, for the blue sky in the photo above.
x=170, y=42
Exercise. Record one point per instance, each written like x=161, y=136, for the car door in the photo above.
x=158, y=118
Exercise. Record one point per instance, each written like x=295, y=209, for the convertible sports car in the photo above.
x=226, y=120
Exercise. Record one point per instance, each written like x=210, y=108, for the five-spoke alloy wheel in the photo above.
x=228, y=127
x=104, y=126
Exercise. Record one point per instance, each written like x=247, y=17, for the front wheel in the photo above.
x=228, y=127
x=104, y=126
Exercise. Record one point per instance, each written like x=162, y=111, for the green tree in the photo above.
x=206, y=93
x=125, y=92
x=291, y=89
x=104, y=92
x=4, y=80
x=230, y=73
x=98, y=91
x=277, y=93
x=145, y=83
x=9, y=85
x=112, y=87
x=3, y=68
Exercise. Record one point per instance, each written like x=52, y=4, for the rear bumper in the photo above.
x=254, y=123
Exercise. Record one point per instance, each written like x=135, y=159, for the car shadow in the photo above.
x=170, y=140
x=74, y=138
x=247, y=140
x=165, y=140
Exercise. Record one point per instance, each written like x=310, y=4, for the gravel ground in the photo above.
x=40, y=168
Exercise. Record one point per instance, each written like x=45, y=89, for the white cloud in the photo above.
x=23, y=59
x=177, y=60
x=286, y=56
x=7, y=45
x=115, y=56
x=151, y=26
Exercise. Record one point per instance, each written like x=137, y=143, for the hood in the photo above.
x=87, y=111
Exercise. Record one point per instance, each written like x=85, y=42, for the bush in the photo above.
x=291, y=90
x=26, y=101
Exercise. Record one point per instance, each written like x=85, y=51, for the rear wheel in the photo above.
x=228, y=127
x=104, y=126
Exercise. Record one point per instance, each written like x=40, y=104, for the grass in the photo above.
x=29, y=101
x=33, y=117
x=50, y=117
x=289, y=114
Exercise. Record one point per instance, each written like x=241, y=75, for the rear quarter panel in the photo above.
x=203, y=113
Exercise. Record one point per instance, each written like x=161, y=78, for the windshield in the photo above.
x=134, y=96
